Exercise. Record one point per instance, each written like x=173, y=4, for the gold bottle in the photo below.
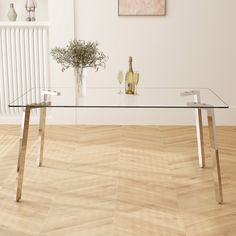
x=129, y=79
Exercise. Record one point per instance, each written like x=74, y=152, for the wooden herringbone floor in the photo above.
x=117, y=181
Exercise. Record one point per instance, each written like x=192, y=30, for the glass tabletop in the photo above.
x=110, y=98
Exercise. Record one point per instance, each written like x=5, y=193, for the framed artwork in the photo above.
x=142, y=7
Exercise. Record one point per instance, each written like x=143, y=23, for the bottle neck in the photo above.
x=11, y=5
x=130, y=64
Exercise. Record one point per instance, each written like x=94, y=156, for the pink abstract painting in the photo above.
x=142, y=7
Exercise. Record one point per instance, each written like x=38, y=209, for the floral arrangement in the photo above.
x=79, y=54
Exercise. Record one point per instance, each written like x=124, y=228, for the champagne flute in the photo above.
x=120, y=78
x=136, y=81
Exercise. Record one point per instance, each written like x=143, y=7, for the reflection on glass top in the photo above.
x=110, y=98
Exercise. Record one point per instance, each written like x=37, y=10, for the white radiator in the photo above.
x=24, y=62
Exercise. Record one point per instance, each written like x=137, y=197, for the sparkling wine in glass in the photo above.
x=136, y=81
x=120, y=78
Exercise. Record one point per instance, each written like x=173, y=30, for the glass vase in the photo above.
x=80, y=82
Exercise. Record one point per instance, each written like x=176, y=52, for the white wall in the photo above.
x=41, y=12
x=193, y=46
x=61, y=18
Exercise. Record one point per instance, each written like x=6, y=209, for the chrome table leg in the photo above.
x=41, y=134
x=200, y=139
x=22, y=153
x=215, y=156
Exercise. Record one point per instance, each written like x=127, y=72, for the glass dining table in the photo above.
x=199, y=100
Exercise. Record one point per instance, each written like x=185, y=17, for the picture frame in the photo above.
x=142, y=7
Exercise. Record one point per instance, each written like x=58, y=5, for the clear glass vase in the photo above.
x=80, y=82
